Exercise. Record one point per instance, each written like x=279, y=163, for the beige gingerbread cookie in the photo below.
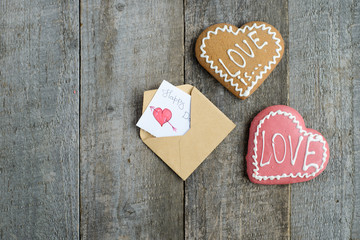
x=240, y=58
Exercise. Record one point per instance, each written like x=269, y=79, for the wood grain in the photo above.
x=324, y=88
x=39, y=68
x=354, y=31
x=127, y=47
x=220, y=201
x=126, y=192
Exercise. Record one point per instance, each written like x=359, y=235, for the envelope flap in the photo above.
x=203, y=109
x=209, y=126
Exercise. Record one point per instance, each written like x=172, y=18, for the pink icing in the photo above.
x=282, y=150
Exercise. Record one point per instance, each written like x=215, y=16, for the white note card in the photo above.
x=168, y=113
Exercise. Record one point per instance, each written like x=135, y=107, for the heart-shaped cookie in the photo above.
x=281, y=150
x=240, y=58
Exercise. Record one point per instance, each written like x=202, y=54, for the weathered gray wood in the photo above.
x=126, y=191
x=220, y=201
x=39, y=119
x=324, y=88
x=354, y=31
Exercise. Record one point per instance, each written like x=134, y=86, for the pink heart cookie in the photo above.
x=281, y=150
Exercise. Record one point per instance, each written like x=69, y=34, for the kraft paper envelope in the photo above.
x=208, y=127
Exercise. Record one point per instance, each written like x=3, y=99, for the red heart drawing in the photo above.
x=282, y=150
x=162, y=116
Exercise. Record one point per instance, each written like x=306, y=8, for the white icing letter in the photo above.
x=243, y=81
x=262, y=154
x=229, y=51
x=307, y=153
x=250, y=50
x=248, y=77
x=273, y=146
x=293, y=158
x=256, y=40
x=228, y=71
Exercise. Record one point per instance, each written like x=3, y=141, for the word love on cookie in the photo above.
x=282, y=150
x=240, y=58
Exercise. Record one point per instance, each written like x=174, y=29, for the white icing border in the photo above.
x=293, y=118
x=225, y=75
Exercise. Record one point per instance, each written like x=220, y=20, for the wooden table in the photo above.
x=72, y=76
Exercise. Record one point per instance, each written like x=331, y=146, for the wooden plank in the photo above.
x=220, y=201
x=126, y=191
x=354, y=29
x=39, y=59
x=324, y=88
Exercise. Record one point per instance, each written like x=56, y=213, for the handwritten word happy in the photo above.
x=175, y=100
